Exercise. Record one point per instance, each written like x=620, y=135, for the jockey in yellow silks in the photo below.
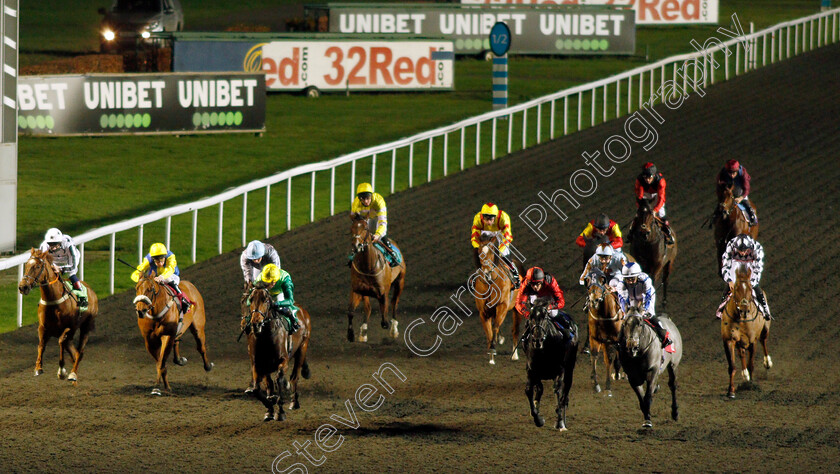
x=161, y=264
x=371, y=207
x=490, y=222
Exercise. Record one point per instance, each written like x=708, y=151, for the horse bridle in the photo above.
x=35, y=279
x=634, y=335
x=144, y=298
x=258, y=327
x=604, y=292
x=363, y=241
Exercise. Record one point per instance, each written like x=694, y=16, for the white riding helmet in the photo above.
x=255, y=250
x=605, y=249
x=631, y=270
x=53, y=236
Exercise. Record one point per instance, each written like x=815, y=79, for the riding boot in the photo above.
x=395, y=261
x=661, y=331
x=293, y=325
x=513, y=271
x=77, y=285
x=666, y=229
x=762, y=301
x=750, y=214
x=723, y=302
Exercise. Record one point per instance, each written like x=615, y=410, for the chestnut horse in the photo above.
x=605, y=319
x=371, y=275
x=649, y=248
x=732, y=222
x=162, y=325
x=741, y=323
x=492, y=291
x=268, y=347
x=58, y=312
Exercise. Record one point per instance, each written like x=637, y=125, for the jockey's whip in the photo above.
x=127, y=264
x=578, y=301
x=704, y=222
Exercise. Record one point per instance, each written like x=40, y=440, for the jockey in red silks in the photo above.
x=538, y=284
x=733, y=173
x=650, y=185
x=601, y=225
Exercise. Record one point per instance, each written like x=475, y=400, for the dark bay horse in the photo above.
x=58, y=312
x=741, y=324
x=551, y=356
x=649, y=248
x=372, y=276
x=268, y=347
x=493, y=299
x=162, y=325
x=604, y=320
x=643, y=359
x=731, y=223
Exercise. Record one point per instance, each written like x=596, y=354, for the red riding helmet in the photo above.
x=733, y=165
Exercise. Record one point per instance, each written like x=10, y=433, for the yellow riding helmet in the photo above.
x=364, y=188
x=270, y=273
x=490, y=208
x=157, y=250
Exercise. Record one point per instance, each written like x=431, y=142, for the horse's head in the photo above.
x=488, y=255
x=259, y=309
x=632, y=330
x=361, y=236
x=37, y=271
x=538, y=320
x=742, y=292
x=147, y=291
x=645, y=222
x=729, y=199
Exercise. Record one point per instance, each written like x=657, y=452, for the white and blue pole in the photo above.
x=500, y=45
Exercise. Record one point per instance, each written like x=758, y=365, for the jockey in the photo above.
x=744, y=248
x=162, y=264
x=735, y=174
x=538, y=284
x=255, y=257
x=490, y=222
x=370, y=206
x=279, y=284
x=606, y=259
x=602, y=225
x=636, y=288
x=65, y=257
x=650, y=185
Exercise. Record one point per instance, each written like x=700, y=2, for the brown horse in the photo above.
x=732, y=222
x=58, y=312
x=372, y=276
x=492, y=291
x=268, y=347
x=649, y=248
x=605, y=319
x=162, y=324
x=741, y=323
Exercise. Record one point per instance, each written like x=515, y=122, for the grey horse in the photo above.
x=643, y=359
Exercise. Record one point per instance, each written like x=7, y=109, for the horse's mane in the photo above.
x=42, y=254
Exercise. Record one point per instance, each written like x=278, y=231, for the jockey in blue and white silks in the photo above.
x=635, y=287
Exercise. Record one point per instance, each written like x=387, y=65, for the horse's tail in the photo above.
x=304, y=370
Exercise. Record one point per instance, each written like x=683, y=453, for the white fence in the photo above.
x=750, y=52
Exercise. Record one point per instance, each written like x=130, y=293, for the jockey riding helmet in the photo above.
x=537, y=275
x=631, y=270
x=733, y=165
x=157, y=250
x=744, y=242
x=489, y=209
x=604, y=250
x=649, y=169
x=364, y=190
x=602, y=222
x=53, y=236
x=270, y=274
x=255, y=250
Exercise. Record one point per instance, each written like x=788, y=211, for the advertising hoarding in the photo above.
x=648, y=12
x=108, y=104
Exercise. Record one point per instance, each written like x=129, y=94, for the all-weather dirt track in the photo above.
x=453, y=411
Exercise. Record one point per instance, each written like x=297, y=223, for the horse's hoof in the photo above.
x=209, y=367
x=514, y=356
x=647, y=424
x=731, y=395
x=39, y=372
x=280, y=416
x=539, y=421
x=384, y=324
x=62, y=373
x=559, y=426
x=608, y=394
x=180, y=361
x=394, y=332
x=768, y=363
x=675, y=416
x=746, y=374
x=268, y=416
x=156, y=391
x=597, y=388
x=501, y=340
x=72, y=377
x=362, y=338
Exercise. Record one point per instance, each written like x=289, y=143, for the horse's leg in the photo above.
x=300, y=359
x=498, y=320
x=84, y=333
x=355, y=298
x=487, y=325
x=744, y=371
x=608, y=366
x=515, y=330
x=166, y=347
x=270, y=398
x=750, y=359
x=533, y=390
x=383, y=309
x=765, y=332
x=201, y=345
x=672, y=384
x=594, y=348
x=282, y=385
x=560, y=424
x=62, y=347
x=42, y=342
x=176, y=353
x=640, y=395
x=729, y=350
x=397, y=289
x=650, y=387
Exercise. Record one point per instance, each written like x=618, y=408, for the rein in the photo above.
x=380, y=262
x=150, y=301
x=35, y=281
x=604, y=296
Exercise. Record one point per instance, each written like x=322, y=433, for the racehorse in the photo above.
x=643, y=359
x=268, y=347
x=58, y=312
x=732, y=222
x=605, y=319
x=371, y=275
x=741, y=323
x=492, y=291
x=162, y=325
x=649, y=248
x=551, y=355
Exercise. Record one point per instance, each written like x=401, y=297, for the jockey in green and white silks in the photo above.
x=65, y=257
x=279, y=284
